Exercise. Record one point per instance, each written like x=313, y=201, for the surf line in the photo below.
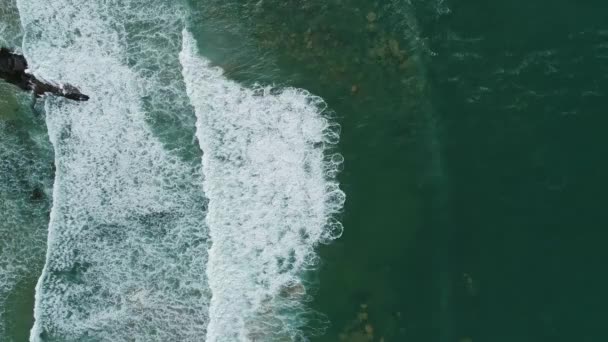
x=270, y=181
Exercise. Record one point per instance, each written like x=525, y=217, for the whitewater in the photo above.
x=185, y=207
x=270, y=200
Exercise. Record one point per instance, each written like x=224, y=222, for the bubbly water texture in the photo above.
x=127, y=243
x=10, y=29
x=271, y=194
x=24, y=169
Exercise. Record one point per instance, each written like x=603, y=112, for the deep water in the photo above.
x=474, y=174
x=473, y=140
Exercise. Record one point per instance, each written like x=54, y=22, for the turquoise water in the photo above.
x=198, y=196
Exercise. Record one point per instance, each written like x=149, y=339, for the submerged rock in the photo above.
x=371, y=17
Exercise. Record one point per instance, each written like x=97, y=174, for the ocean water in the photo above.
x=342, y=170
x=25, y=187
x=26, y=178
x=266, y=180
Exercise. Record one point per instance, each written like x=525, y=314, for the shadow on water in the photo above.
x=387, y=277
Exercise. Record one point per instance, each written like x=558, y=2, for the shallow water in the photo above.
x=25, y=188
x=193, y=193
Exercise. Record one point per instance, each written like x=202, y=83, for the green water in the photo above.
x=526, y=167
x=372, y=74
x=25, y=187
x=473, y=141
x=474, y=173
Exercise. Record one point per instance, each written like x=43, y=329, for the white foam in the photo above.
x=272, y=195
x=10, y=29
x=127, y=240
x=23, y=223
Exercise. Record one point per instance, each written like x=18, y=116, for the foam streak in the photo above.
x=127, y=241
x=271, y=197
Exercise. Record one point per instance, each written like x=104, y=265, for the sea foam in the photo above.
x=10, y=29
x=25, y=177
x=272, y=198
x=127, y=242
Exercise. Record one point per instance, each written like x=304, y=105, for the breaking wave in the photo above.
x=127, y=243
x=144, y=243
x=272, y=198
